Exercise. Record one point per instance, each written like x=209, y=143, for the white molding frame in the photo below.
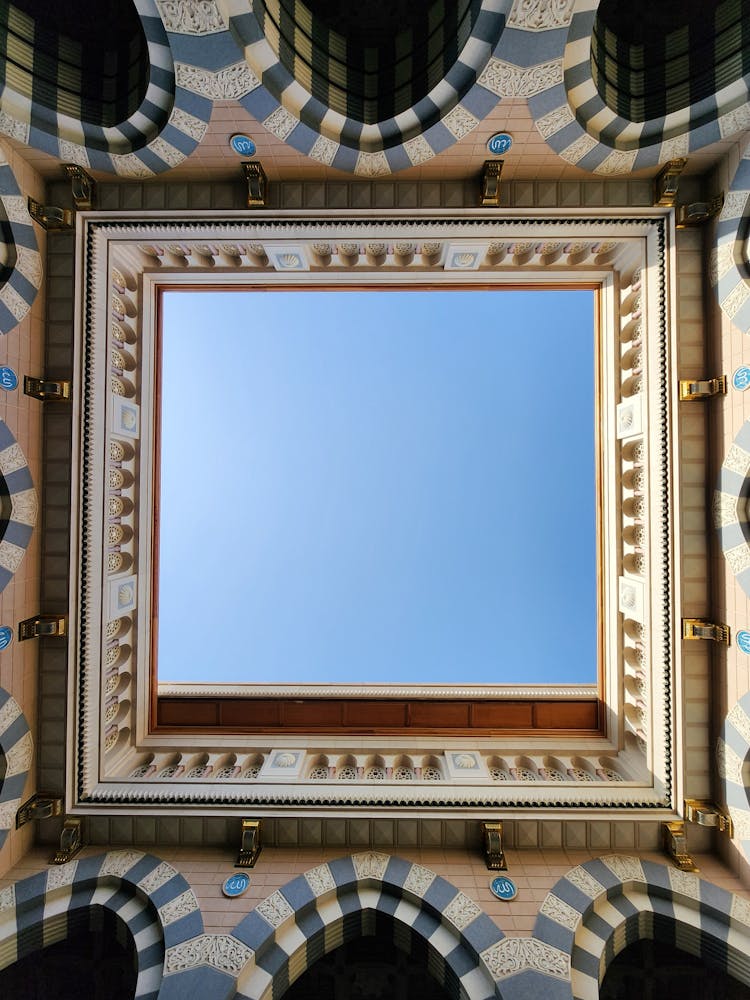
x=115, y=762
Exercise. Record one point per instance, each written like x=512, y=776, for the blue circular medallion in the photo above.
x=504, y=888
x=743, y=641
x=741, y=378
x=243, y=145
x=235, y=884
x=500, y=143
x=8, y=378
x=6, y=636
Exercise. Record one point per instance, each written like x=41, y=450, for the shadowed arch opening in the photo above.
x=96, y=959
x=652, y=969
x=651, y=59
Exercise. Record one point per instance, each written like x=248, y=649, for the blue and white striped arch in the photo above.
x=18, y=505
x=17, y=749
x=574, y=120
x=21, y=274
x=730, y=510
x=732, y=756
x=149, y=899
x=159, y=135
x=730, y=271
x=602, y=906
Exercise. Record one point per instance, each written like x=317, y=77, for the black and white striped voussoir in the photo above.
x=729, y=259
x=17, y=748
x=17, y=524
x=21, y=275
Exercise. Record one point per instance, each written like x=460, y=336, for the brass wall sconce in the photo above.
x=490, y=192
x=257, y=184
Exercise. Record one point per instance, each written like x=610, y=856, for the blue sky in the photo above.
x=383, y=487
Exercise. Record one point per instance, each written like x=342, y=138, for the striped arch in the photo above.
x=146, y=897
x=730, y=271
x=574, y=120
x=160, y=134
x=17, y=747
x=18, y=505
x=732, y=754
x=21, y=270
x=602, y=906
x=349, y=897
x=730, y=510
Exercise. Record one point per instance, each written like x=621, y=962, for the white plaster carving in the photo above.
x=740, y=910
x=540, y=15
x=129, y=165
x=8, y=812
x=460, y=122
x=736, y=298
x=724, y=509
x=372, y=164
x=370, y=864
x=461, y=911
x=737, y=718
x=178, y=907
x=281, y=123
x=15, y=129
x=222, y=951
x=188, y=124
x=320, y=880
x=741, y=821
x=418, y=150
x=10, y=711
x=72, y=152
x=275, y=909
x=324, y=150
x=627, y=869
x=17, y=305
x=619, y=161
x=61, y=875
x=734, y=205
x=721, y=261
x=734, y=121
x=25, y=507
x=157, y=878
x=11, y=556
x=228, y=84
x=507, y=80
x=554, y=121
x=578, y=149
x=584, y=881
x=737, y=558
x=561, y=912
x=191, y=17
x=419, y=880
x=29, y=263
x=18, y=757
x=516, y=954
x=166, y=151
x=684, y=882
x=671, y=149
x=15, y=209
x=7, y=898
x=119, y=862
x=11, y=458
x=737, y=460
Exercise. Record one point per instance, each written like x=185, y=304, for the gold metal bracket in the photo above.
x=494, y=856
x=674, y=841
x=489, y=196
x=50, y=217
x=257, y=184
x=691, y=389
x=699, y=628
x=698, y=212
x=42, y=805
x=706, y=813
x=43, y=626
x=47, y=390
x=84, y=186
x=666, y=181
x=250, y=845
x=71, y=840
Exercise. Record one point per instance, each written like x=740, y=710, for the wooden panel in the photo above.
x=188, y=712
x=375, y=714
x=439, y=714
x=502, y=714
x=312, y=715
x=566, y=715
x=249, y=713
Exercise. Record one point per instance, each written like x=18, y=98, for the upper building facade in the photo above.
x=627, y=175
